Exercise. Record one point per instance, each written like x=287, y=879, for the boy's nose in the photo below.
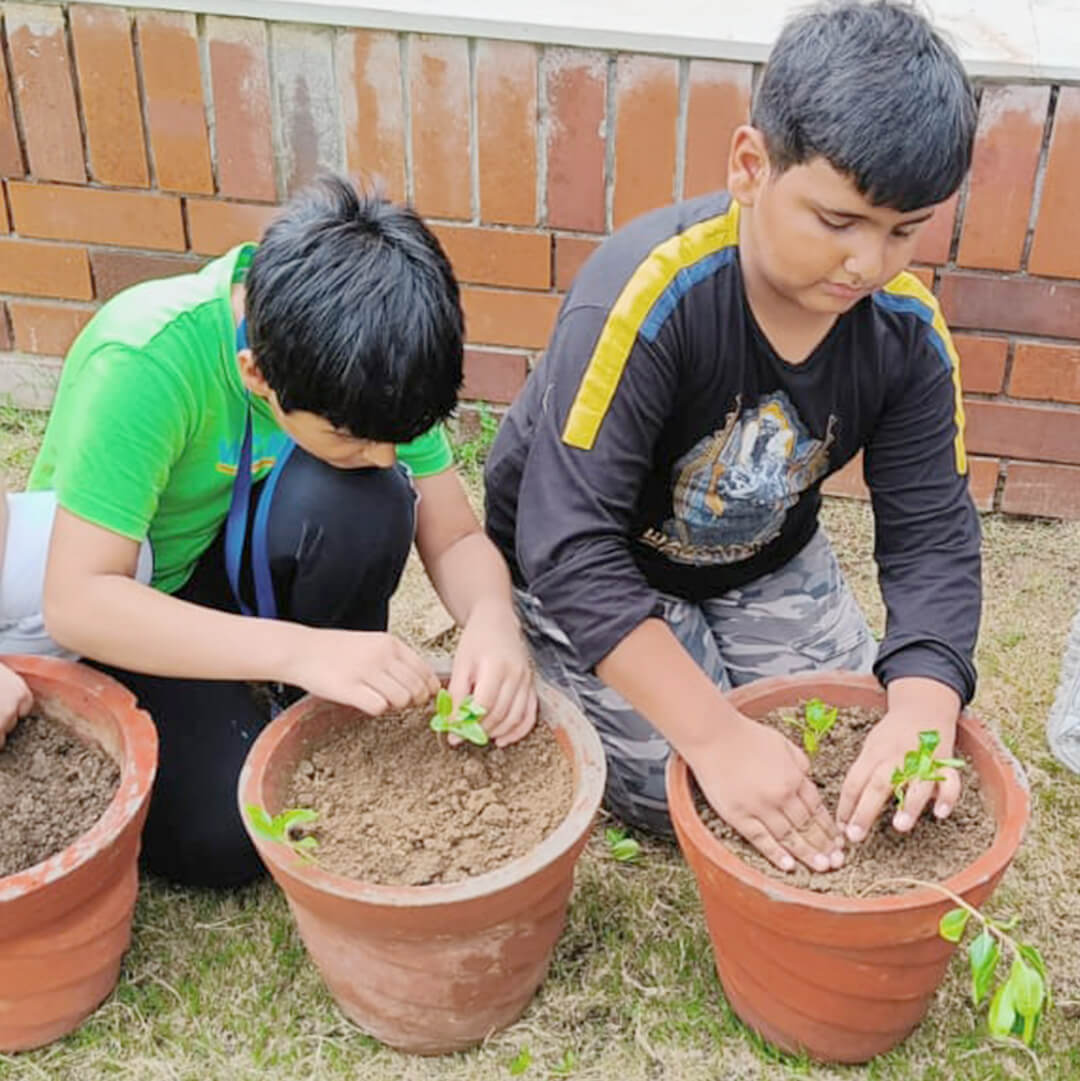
x=866, y=262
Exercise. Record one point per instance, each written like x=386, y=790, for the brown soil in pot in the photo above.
x=933, y=851
x=53, y=788
x=398, y=806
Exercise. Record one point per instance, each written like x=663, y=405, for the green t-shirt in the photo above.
x=144, y=436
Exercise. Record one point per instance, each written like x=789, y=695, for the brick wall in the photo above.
x=139, y=143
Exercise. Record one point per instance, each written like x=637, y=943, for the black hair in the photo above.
x=353, y=314
x=876, y=91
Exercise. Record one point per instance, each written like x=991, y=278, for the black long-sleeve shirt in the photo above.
x=661, y=444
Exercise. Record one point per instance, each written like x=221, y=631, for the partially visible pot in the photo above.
x=66, y=922
x=428, y=969
x=843, y=979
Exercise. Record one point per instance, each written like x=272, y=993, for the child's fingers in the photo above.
x=948, y=792
x=869, y=802
x=915, y=799
x=520, y=718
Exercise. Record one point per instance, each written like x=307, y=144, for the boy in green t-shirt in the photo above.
x=271, y=426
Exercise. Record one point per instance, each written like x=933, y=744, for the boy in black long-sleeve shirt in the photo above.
x=656, y=486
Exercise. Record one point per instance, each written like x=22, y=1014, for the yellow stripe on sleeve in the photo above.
x=906, y=284
x=647, y=284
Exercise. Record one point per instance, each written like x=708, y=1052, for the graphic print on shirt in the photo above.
x=733, y=488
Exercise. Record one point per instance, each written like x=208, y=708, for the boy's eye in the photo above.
x=836, y=224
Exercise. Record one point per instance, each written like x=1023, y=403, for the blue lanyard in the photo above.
x=237, y=519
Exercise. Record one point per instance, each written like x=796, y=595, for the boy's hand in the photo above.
x=16, y=700
x=759, y=783
x=370, y=670
x=915, y=704
x=492, y=664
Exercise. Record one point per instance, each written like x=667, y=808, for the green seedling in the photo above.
x=921, y=765
x=520, y=1062
x=565, y=1066
x=622, y=848
x=280, y=828
x=1019, y=1001
x=817, y=719
x=463, y=721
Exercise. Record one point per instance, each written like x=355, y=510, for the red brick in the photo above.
x=646, y=115
x=719, y=101
x=44, y=91
x=982, y=362
x=497, y=256
x=243, y=139
x=1007, y=146
x=439, y=100
x=44, y=270
x=570, y=255
x=5, y=330
x=172, y=83
x=506, y=131
x=369, y=72
x=494, y=376
x=925, y=274
x=1050, y=491
x=1050, y=372
x=115, y=271
x=105, y=59
x=5, y=225
x=1055, y=249
x=1016, y=305
x=97, y=216
x=47, y=329
x=935, y=238
x=308, y=114
x=11, y=159
x=848, y=482
x=504, y=317
x=215, y=227
x=1043, y=433
x=576, y=92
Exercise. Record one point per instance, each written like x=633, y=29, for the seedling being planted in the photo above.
x=921, y=765
x=622, y=848
x=280, y=828
x=816, y=720
x=463, y=721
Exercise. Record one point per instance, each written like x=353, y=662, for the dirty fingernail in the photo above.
x=902, y=821
x=855, y=833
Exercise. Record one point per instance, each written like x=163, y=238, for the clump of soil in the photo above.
x=398, y=806
x=53, y=787
x=932, y=851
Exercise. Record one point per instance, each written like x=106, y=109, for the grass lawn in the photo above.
x=218, y=985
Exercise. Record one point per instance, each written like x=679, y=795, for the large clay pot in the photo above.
x=842, y=979
x=428, y=969
x=66, y=922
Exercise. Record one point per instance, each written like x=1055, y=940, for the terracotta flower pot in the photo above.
x=66, y=922
x=428, y=969
x=840, y=978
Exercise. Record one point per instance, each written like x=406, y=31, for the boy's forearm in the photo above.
x=116, y=620
x=470, y=572
x=653, y=672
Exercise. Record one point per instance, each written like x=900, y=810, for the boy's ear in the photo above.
x=251, y=376
x=748, y=164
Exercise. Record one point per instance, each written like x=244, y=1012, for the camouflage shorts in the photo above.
x=801, y=617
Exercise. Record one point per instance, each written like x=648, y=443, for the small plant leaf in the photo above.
x=953, y=923
x=444, y=704
x=470, y=710
x=810, y=741
x=520, y=1062
x=928, y=742
x=1028, y=990
x=1002, y=1012
x=983, y=953
x=565, y=1065
x=306, y=844
x=952, y=763
x=626, y=850
x=1032, y=956
x=297, y=816
x=473, y=731
x=260, y=822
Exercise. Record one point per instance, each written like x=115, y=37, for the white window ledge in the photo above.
x=1018, y=39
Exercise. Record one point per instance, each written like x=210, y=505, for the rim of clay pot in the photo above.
x=52, y=677
x=1011, y=821
x=590, y=769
